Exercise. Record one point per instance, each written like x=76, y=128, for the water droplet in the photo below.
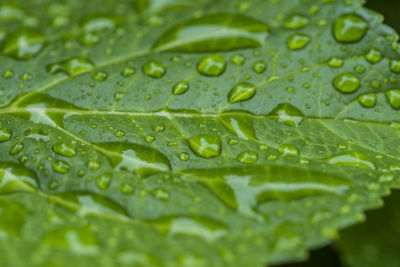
x=259, y=66
x=180, y=88
x=350, y=28
x=64, y=149
x=238, y=59
x=126, y=188
x=73, y=66
x=212, y=65
x=373, y=56
x=184, y=156
x=128, y=71
x=154, y=69
x=8, y=73
x=296, y=21
x=15, y=149
x=104, y=180
x=160, y=194
x=395, y=66
x=241, y=92
x=61, y=166
x=205, y=145
x=241, y=125
x=100, y=76
x=212, y=33
x=159, y=128
x=100, y=22
x=393, y=97
x=353, y=158
x=289, y=150
x=248, y=157
x=5, y=134
x=298, y=41
x=119, y=133
x=23, y=44
x=335, y=62
x=287, y=114
x=93, y=164
x=367, y=100
x=89, y=38
x=346, y=82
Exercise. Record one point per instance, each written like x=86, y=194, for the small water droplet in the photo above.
x=99, y=22
x=373, y=56
x=128, y=71
x=212, y=65
x=346, y=82
x=335, y=62
x=298, y=41
x=100, y=76
x=73, y=66
x=395, y=66
x=350, y=28
x=126, y=188
x=259, y=66
x=93, y=164
x=393, y=97
x=238, y=59
x=367, y=100
x=16, y=148
x=61, y=166
x=160, y=194
x=104, y=180
x=180, y=88
x=184, y=156
x=64, y=149
x=154, y=69
x=289, y=150
x=89, y=38
x=241, y=92
x=296, y=21
x=23, y=44
x=8, y=73
x=119, y=133
x=205, y=145
x=248, y=157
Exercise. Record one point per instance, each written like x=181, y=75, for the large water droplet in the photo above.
x=23, y=44
x=205, y=145
x=64, y=149
x=395, y=66
x=104, y=180
x=353, y=158
x=242, y=91
x=350, y=28
x=298, y=41
x=346, y=82
x=73, y=66
x=393, y=97
x=213, y=33
x=296, y=21
x=154, y=69
x=287, y=114
x=241, y=125
x=212, y=65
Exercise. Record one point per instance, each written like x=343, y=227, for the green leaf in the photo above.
x=375, y=242
x=192, y=133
